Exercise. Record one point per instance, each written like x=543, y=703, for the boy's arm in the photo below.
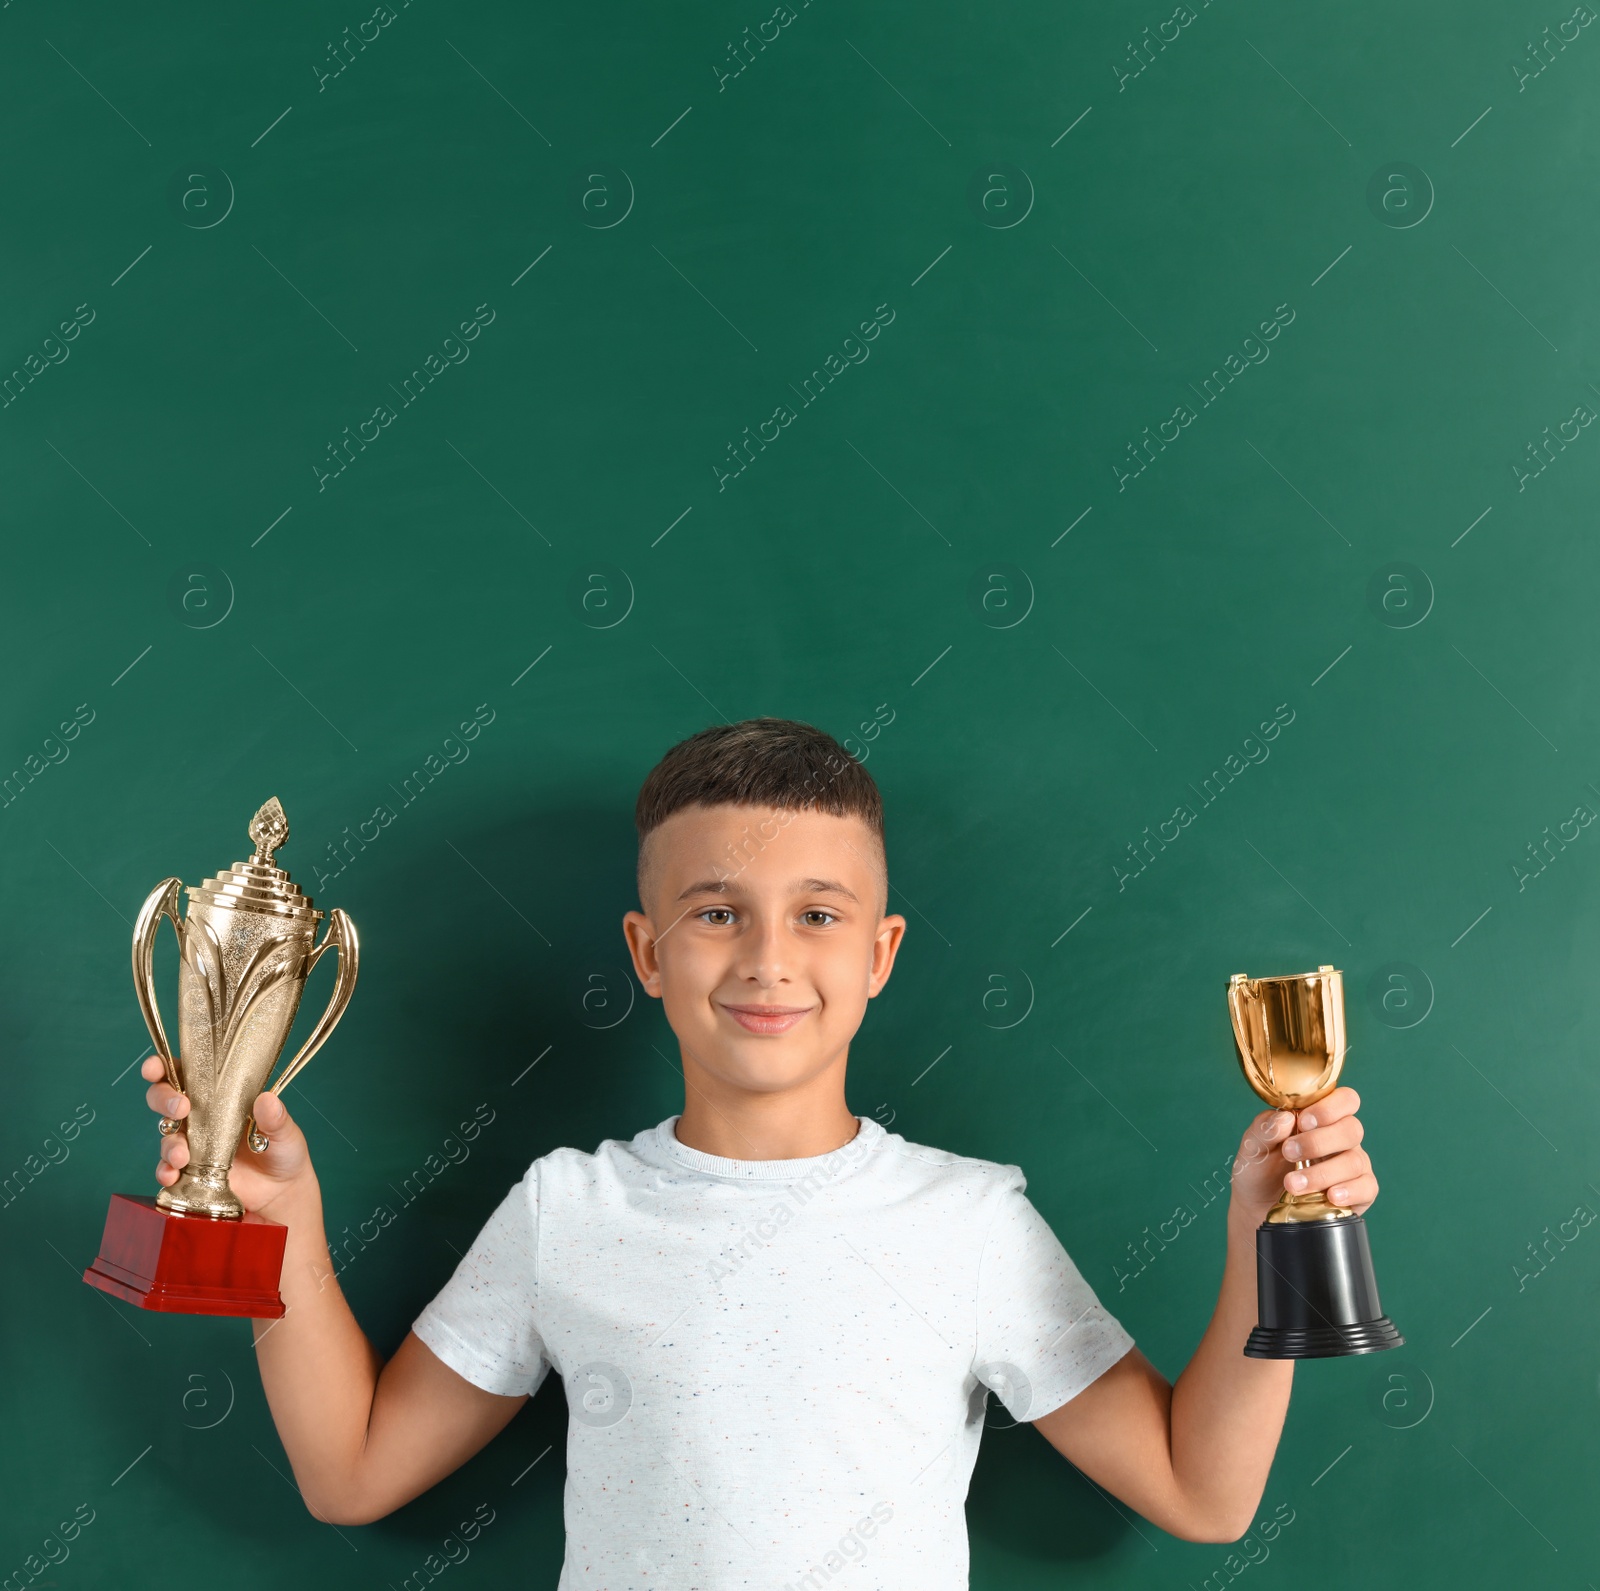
x=1194, y=1457
x=362, y=1436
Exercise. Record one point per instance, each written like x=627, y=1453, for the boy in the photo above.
x=777, y=1323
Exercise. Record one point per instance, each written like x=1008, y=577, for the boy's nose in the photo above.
x=763, y=955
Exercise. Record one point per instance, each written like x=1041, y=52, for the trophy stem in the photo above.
x=1312, y=1206
x=202, y=1190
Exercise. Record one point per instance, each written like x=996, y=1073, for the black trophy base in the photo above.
x=1316, y=1294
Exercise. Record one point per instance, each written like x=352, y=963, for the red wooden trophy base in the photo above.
x=189, y=1264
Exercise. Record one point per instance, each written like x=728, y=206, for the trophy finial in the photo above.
x=269, y=829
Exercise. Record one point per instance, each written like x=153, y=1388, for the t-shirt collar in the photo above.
x=663, y=1139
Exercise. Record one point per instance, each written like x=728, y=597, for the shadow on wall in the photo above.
x=515, y=985
x=1030, y=1502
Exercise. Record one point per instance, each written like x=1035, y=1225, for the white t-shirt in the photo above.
x=776, y=1370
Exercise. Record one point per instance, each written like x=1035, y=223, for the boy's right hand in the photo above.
x=259, y=1180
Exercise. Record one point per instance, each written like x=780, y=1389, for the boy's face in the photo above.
x=764, y=935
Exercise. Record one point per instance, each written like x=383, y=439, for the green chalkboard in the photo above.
x=1230, y=365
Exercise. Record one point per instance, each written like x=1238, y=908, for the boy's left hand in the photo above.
x=1327, y=1133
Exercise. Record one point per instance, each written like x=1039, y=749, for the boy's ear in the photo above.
x=640, y=933
x=885, y=947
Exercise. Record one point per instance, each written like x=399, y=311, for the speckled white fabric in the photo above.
x=776, y=1370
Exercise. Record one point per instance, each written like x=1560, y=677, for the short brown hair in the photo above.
x=771, y=762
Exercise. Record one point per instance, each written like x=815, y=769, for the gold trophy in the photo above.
x=1316, y=1294
x=247, y=946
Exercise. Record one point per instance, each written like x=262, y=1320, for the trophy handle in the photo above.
x=340, y=936
x=161, y=902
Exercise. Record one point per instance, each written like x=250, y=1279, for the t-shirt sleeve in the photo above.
x=1043, y=1335
x=484, y=1321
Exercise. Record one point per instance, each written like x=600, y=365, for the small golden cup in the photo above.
x=1316, y=1292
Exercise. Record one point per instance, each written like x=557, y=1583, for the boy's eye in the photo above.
x=717, y=916
x=817, y=913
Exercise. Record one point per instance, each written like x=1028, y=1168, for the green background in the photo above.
x=939, y=547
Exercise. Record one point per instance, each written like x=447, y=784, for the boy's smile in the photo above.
x=773, y=1019
x=764, y=935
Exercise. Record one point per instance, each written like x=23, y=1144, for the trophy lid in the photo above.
x=258, y=883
